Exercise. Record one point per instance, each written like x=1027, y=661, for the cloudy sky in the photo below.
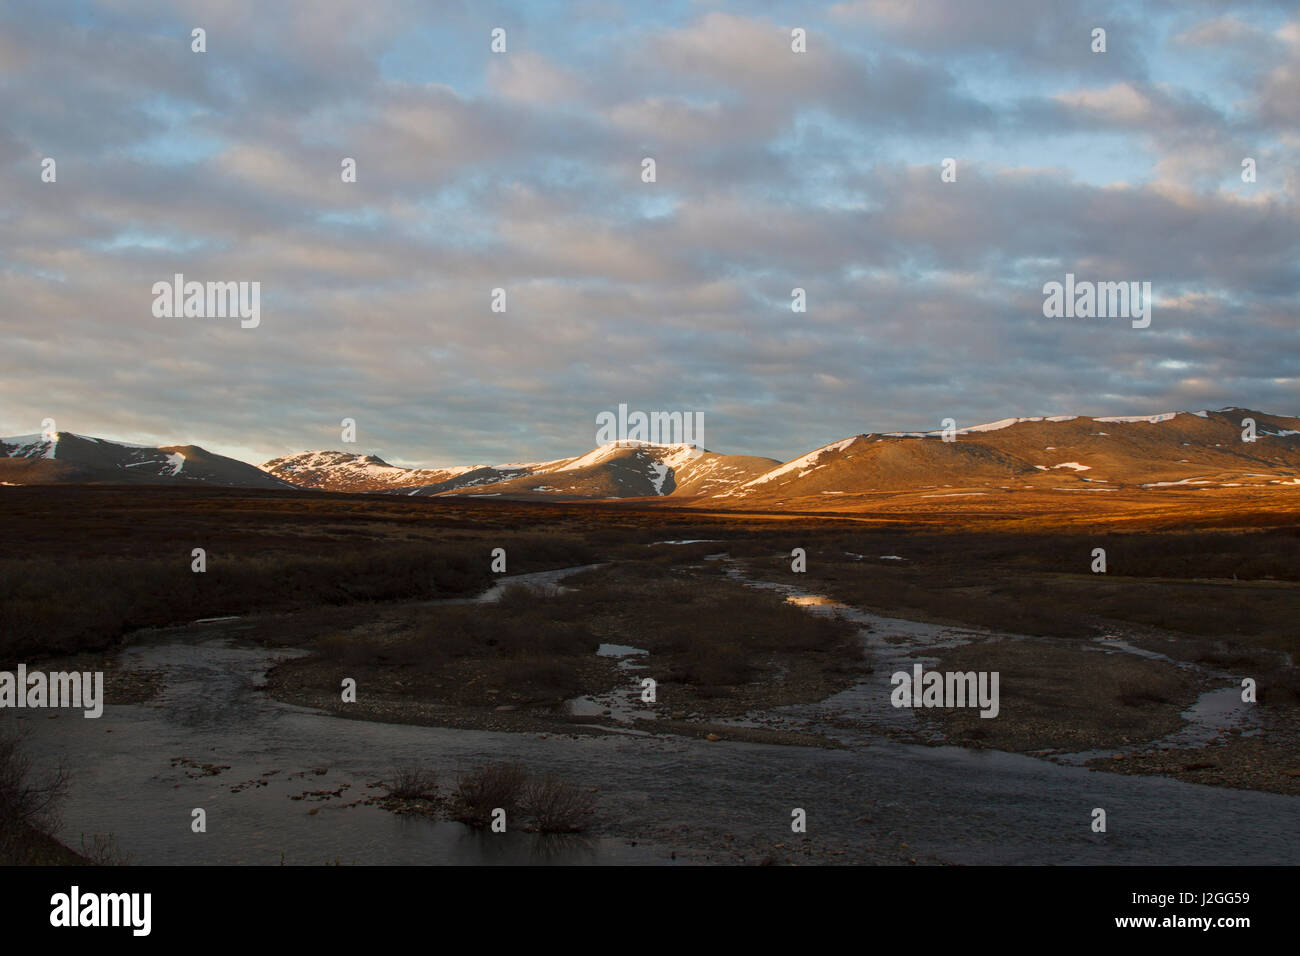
x=523, y=170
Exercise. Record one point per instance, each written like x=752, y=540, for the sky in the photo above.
x=522, y=170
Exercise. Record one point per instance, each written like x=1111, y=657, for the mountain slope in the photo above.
x=343, y=471
x=618, y=470
x=1183, y=449
x=65, y=458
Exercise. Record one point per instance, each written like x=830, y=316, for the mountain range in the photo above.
x=1174, y=450
x=65, y=458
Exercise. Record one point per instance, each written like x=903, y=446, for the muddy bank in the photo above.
x=1063, y=699
x=1127, y=699
x=1119, y=705
x=1059, y=696
x=576, y=657
x=283, y=684
x=1247, y=763
x=122, y=685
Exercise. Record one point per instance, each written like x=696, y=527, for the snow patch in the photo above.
x=998, y=425
x=1171, y=484
x=1153, y=419
x=800, y=464
x=27, y=446
x=661, y=473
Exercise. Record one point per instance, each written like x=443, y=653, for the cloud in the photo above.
x=522, y=171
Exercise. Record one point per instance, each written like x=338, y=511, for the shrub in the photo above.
x=1150, y=688
x=27, y=800
x=480, y=791
x=554, y=806
x=104, y=851
x=414, y=783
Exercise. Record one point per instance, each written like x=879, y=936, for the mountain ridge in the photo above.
x=68, y=458
x=1187, y=450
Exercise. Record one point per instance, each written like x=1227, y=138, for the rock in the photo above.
x=712, y=737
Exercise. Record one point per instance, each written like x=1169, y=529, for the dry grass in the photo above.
x=549, y=804
x=1059, y=696
x=1041, y=584
x=555, y=806
x=414, y=783
x=29, y=802
x=1154, y=687
x=486, y=789
x=70, y=604
x=104, y=850
x=99, y=599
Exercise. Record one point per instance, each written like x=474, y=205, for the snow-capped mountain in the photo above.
x=614, y=470
x=1202, y=450
x=65, y=458
x=343, y=471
